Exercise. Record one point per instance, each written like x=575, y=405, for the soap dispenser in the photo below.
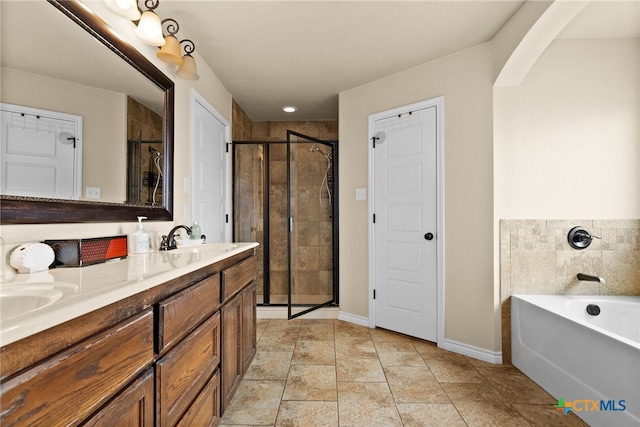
x=196, y=232
x=139, y=240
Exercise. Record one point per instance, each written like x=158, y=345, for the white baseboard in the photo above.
x=352, y=318
x=281, y=312
x=494, y=357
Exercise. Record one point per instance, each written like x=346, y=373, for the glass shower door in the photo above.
x=311, y=254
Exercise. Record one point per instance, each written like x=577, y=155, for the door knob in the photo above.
x=428, y=236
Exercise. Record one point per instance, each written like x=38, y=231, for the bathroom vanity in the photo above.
x=160, y=339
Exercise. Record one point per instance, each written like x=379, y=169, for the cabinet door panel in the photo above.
x=231, y=362
x=131, y=408
x=248, y=326
x=184, y=311
x=183, y=371
x=68, y=387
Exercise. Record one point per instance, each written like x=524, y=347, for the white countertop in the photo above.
x=32, y=303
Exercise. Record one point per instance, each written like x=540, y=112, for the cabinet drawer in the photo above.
x=132, y=407
x=69, y=386
x=205, y=411
x=184, y=370
x=184, y=311
x=236, y=277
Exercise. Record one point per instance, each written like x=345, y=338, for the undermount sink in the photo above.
x=18, y=300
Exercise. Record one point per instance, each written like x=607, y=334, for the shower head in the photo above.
x=155, y=152
x=316, y=148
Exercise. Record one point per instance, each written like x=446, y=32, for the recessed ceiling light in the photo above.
x=289, y=109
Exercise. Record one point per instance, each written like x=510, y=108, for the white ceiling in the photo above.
x=274, y=53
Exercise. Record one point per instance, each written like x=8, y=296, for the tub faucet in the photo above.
x=589, y=278
x=169, y=241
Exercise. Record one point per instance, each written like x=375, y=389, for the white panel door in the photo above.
x=39, y=155
x=405, y=250
x=209, y=171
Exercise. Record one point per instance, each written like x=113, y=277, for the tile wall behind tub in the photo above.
x=535, y=258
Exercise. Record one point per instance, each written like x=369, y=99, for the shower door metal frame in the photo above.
x=334, y=245
x=266, y=215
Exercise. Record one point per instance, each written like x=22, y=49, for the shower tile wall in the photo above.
x=277, y=131
x=142, y=119
x=312, y=238
x=249, y=187
x=535, y=258
x=313, y=228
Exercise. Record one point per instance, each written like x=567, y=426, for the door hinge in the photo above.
x=374, y=218
x=373, y=140
x=226, y=218
x=374, y=294
x=227, y=147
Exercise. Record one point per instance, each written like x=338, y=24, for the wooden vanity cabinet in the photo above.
x=238, y=326
x=173, y=356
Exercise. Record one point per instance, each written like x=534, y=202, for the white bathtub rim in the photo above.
x=542, y=300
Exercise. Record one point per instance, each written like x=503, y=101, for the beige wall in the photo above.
x=465, y=81
x=567, y=140
x=103, y=117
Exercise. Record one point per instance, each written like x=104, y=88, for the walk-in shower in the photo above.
x=285, y=199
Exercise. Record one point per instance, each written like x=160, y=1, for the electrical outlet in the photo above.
x=361, y=194
x=93, y=192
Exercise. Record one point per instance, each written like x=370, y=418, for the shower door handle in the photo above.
x=290, y=224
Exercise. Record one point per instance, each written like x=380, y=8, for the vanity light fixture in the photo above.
x=170, y=52
x=151, y=30
x=188, y=69
x=149, y=27
x=289, y=109
x=126, y=8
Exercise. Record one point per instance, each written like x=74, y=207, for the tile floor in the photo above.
x=321, y=372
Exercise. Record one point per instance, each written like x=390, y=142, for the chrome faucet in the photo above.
x=589, y=278
x=169, y=241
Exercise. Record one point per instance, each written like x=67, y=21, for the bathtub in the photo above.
x=577, y=356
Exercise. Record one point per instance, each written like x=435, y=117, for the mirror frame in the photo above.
x=28, y=210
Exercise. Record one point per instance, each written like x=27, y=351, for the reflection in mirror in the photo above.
x=125, y=107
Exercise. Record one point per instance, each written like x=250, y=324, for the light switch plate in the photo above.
x=361, y=194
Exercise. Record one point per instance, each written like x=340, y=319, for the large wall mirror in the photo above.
x=60, y=61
